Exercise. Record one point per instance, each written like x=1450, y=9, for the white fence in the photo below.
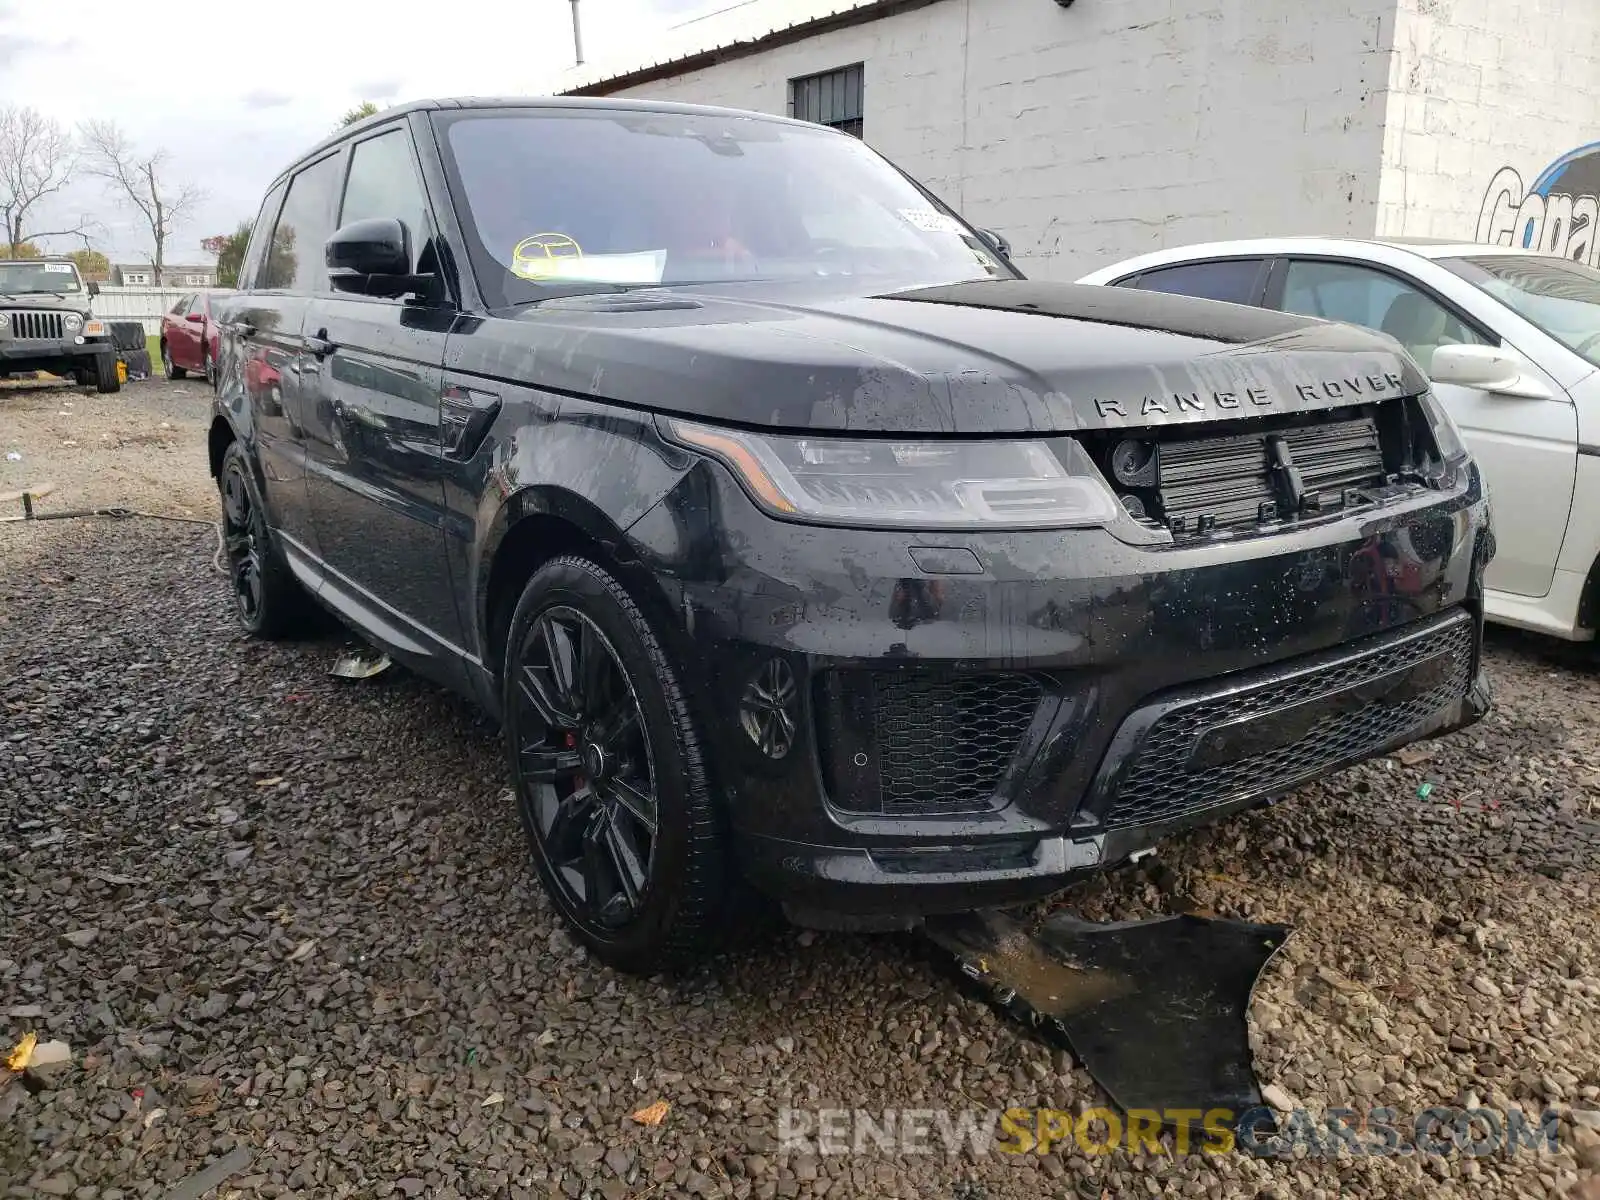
x=145, y=304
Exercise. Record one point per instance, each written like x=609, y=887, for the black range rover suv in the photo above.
x=796, y=539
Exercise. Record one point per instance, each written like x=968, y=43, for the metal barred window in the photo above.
x=832, y=98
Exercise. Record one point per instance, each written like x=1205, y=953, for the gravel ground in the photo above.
x=285, y=925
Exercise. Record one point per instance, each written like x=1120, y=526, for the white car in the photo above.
x=1511, y=340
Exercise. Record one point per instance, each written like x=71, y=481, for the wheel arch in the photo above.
x=220, y=436
x=537, y=525
x=1589, y=599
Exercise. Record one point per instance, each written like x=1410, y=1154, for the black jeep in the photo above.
x=795, y=538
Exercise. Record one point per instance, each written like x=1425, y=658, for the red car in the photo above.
x=189, y=336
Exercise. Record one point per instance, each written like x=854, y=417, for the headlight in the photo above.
x=1009, y=484
x=94, y=328
x=1446, y=436
x=71, y=321
x=5, y=321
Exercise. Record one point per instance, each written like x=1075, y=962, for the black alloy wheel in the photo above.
x=609, y=778
x=266, y=596
x=243, y=545
x=587, y=757
x=209, y=364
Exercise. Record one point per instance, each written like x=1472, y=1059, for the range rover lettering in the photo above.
x=796, y=540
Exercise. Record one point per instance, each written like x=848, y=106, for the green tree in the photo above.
x=19, y=250
x=229, y=249
x=359, y=113
x=92, y=264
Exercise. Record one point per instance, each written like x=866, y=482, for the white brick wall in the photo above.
x=1115, y=126
x=1477, y=86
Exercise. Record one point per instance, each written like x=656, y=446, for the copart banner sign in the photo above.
x=1559, y=212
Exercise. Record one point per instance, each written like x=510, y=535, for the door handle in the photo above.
x=319, y=345
x=244, y=329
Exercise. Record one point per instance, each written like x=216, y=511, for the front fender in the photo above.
x=591, y=468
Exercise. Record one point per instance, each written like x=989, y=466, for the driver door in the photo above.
x=1526, y=449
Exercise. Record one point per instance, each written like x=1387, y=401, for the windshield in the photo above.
x=19, y=278
x=637, y=198
x=1558, y=295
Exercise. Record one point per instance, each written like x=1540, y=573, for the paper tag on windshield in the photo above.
x=929, y=221
x=59, y=268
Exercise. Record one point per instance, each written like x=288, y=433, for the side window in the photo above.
x=1360, y=295
x=1238, y=281
x=197, y=303
x=294, y=258
x=179, y=308
x=383, y=183
x=256, y=251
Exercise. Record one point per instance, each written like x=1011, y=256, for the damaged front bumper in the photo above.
x=978, y=721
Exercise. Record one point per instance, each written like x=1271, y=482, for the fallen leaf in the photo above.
x=492, y=1098
x=653, y=1114
x=273, y=782
x=1411, y=756
x=303, y=951
x=22, y=1053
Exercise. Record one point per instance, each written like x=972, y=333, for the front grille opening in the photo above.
x=1164, y=782
x=1253, y=475
x=36, y=326
x=921, y=743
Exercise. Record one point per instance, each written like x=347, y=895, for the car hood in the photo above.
x=985, y=357
x=77, y=302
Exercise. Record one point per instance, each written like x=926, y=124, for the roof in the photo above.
x=464, y=102
x=734, y=29
x=150, y=266
x=1429, y=248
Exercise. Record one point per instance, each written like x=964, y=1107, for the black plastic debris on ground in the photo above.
x=1155, y=1010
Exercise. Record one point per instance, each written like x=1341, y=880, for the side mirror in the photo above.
x=94, y=289
x=373, y=258
x=996, y=243
x=1488, y=369
x=195, y=318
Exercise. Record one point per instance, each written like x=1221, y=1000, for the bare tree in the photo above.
x=140, y=180
x=37, y=159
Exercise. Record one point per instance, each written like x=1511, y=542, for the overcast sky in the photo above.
x=234, y=91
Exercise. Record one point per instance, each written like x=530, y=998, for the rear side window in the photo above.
x=256, y=252
x=295, y=256
x=383, y=183
x=178, y=308
x=1238, y=280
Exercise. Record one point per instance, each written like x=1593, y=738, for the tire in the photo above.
x=267, y=599
x=167, y=368
x=83, y=377
x=675, y=914
x=106, y=379
x=208, y=367
x=138, y=362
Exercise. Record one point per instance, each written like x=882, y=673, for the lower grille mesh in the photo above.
x=921, y=743
x=1160, y=785
x=945, y=743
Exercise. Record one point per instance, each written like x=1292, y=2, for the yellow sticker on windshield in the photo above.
x=537, y=257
